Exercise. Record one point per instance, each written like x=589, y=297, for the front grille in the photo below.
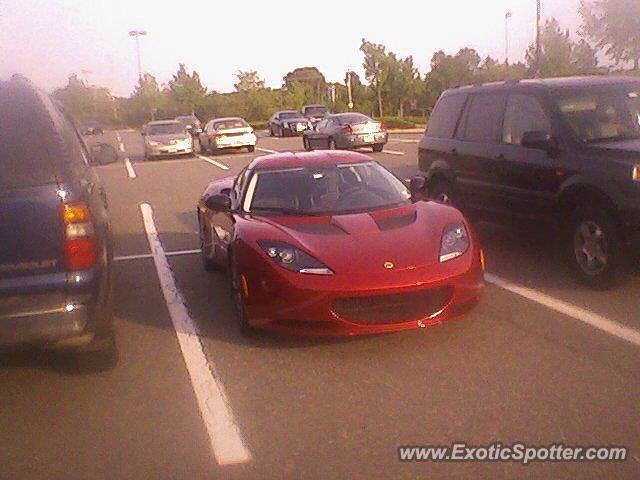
x=395, y=308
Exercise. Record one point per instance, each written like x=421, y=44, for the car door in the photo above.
x=529, y=177
x=477, y=149
x=317, y=136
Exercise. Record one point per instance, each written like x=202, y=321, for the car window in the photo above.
x=443, y=120
x=482, y=119
x=321, y=125
x=523, y=113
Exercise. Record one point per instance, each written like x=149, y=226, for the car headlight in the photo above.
x=153, y=143
x=635, y=173
x=294, y=259
x=455, y=241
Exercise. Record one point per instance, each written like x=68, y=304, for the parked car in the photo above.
x=552, y=151
x=287, y=123
x=56, y=244
x=166, y=137
x=92, y=129
x=231, y=132
x=191, y=123
x=346, y=131
x=315, y=113
x=332, y=243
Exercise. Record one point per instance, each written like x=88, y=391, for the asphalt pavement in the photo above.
x=541, y=360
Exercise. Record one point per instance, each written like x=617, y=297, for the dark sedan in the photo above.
x=346, y=131
x=287, y=123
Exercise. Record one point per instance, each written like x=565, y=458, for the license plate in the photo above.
x=368, y=138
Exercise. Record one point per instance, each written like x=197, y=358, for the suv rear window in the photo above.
x=444, y=118
x=28, y=143
x=482, y=120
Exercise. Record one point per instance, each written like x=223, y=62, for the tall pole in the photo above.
x=507, y=16
x=538, y=46
x=136, y=34
x=350, y=105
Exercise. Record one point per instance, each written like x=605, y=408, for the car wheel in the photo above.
x=332, y=144
x=271, y=132
x=208, y=247
x=378, y=147
x=306, y=143
x=594, y=247
x=237, y=295
x=442, y=192
x=251, y=148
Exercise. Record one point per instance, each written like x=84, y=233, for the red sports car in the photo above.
x=332, y=243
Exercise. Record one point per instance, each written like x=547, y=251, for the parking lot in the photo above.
x=541, y=360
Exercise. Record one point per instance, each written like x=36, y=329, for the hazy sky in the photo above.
x=48, y=40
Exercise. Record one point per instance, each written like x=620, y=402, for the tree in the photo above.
x=377, y=69
x=186, y=91
x=147, y=98
x=248, y=80
x=405, y=83
x=614, y=27
x=559, y=55
x=310, y=76
x=87, y=102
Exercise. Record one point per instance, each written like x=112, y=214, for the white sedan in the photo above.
x=232, y=132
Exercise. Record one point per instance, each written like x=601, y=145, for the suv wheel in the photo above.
x=594, y=247
x=306, y=143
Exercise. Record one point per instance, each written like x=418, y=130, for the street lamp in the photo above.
x=507, y=16
x=136, y=34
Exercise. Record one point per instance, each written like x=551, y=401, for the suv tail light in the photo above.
x=346, y=129
x=383, y=127
x=79, y=242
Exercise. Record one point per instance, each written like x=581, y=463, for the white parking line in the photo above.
x=213, y=162
x=265, y=150
x=224, y=435
x=393, y=152
x=597, y=321
x=139, y=256
x=130, y=171
x=403, y=140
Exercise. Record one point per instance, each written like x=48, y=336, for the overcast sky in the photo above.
x=49, y=39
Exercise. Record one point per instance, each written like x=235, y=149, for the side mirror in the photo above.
x=417, y=184
x=538, y=139
x=218, y=202
x=103, y=154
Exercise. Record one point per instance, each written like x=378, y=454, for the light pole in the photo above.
x=507, y=16
x=349, y=94
x=136, y=34
x=538, y=47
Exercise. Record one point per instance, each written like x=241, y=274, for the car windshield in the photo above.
x=290, y=115
x=325, y=190
x=602, y=115
x=165, y=129
x=229, y=124
x=351, y=118
x=316, y=111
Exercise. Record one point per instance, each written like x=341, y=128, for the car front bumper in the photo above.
x=289, y=302
x=166, y=150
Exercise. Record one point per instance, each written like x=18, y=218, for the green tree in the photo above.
x=248, y=80
x=186, y=90
x=310, y=76
x=378, y=68
x=406, y=83
x=614, y=27
x=147, y=98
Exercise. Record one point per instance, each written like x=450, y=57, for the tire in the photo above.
x=207, y=252
x=271, y=133
x=594, y=247
x=306, y=144
x=331, y=144
x=378, y=147
x=237, y=296
x=442, y=192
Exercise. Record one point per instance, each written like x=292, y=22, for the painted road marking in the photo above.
x=597, y=321
x=139, y=256
x=213, y=162
x=393, y=152
x=224, y=435
x=266, y=150
x=403, y=140
x=130, y=171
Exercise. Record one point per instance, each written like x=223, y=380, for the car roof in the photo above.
x=305, y=159
x=164, y=122
x=224, y=119
x=288, y=111
x=346, y=114
x=548, y=83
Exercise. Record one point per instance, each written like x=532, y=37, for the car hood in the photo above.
x=408, y=236
x=168, y=138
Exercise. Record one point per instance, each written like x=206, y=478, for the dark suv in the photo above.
x=564, y=150
x=55, y=238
